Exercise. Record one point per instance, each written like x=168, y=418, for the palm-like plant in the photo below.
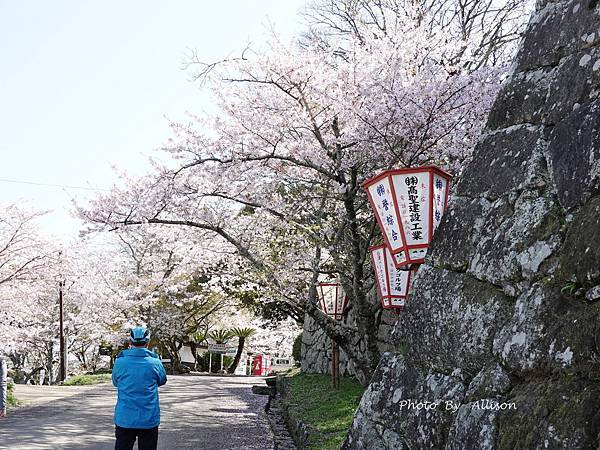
x=220, y=336
x=242, y=334
x=196, y=339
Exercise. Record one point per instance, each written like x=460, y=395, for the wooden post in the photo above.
x=335, y=368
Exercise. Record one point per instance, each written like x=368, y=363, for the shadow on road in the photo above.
x=196, y=413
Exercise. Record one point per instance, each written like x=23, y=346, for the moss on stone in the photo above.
x=561, y=411
x=580, y=258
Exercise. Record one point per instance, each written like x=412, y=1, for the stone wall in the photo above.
x=316, y=346
x=505, y=314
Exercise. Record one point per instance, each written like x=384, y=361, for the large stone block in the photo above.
x=504, y=161
x=548, y=94
x=574, y=155
x=557, y=30
x=521, y=100
x=450, y=321
x=551, y=413
x=549, y=332
x=576, y=81
x=580, y=256
x=457, y=236
x=491, y=381
x=516, y=240
x=475, y=427
x=385, y=418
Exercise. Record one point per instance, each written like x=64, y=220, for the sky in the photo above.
x=87, y=86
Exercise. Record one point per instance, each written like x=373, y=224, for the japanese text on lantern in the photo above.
x=413, y=192
x=414, y=209
x=329, y=299
x=384, y=203
x=379, y=263
x=400, y=282
x=439, y=199
x=398, y=278
x=392, y=284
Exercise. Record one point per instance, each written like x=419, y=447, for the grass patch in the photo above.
x=82, y=380
x=10, y=397
x=312, y=400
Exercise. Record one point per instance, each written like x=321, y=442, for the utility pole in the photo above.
x=61, y=284
x=61, y=374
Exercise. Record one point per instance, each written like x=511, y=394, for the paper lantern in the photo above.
x=332, y=298
x=392, y=283
x=409, y=205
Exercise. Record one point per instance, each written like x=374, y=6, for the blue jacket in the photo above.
x=137, y=374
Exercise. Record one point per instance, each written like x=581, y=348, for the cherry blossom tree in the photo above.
x=22, y=253
x=177, y=286
x=180, y=313
x=486, y=32
x=31, y=267
x=24, y=258
x=276, y=176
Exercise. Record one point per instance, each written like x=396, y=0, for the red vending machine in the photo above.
x=261, y=365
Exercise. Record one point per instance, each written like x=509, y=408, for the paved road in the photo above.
x=198, y=412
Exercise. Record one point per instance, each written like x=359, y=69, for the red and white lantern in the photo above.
x=332, y=298
x=409, y=204
x=392, y=283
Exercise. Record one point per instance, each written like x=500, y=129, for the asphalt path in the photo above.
x=197, y=412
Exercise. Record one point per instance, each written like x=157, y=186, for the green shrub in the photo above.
x=12, y=400
x=297, y=348
x=83, y=380
x=216, y=362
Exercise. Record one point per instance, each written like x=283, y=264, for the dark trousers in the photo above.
x=147, y=439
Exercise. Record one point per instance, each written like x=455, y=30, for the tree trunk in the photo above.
x=50, y=362
x=175, y=358
x=30, y=375
x=360, y=342
x=199, y=361
x=348, y=338
x=366, y=318
x=194, y=353
x=238, y=355
x=3, y=385
x=18, y=372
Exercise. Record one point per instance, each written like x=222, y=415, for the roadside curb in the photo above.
x=281, y=436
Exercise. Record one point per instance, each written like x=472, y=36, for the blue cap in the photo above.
x=139, y=335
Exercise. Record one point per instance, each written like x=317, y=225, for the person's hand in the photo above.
x=2, y=413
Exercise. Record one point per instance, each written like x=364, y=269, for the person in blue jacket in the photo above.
x=137, y=374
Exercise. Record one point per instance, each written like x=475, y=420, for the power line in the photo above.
x=34, y=183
